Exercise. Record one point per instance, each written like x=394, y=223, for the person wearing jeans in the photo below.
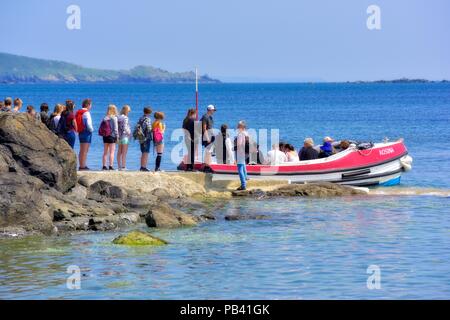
x=240, y=154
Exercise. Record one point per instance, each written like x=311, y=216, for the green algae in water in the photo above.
x=138, y=238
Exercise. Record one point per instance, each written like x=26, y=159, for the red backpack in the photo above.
x=79, y=120
x=105, y=128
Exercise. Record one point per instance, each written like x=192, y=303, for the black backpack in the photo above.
x=61, y=128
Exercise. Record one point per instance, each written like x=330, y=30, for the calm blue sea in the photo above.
x=310, y=248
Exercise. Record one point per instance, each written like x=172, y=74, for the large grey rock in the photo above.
x=27, y=146
x=22, y=204
x=164, y=216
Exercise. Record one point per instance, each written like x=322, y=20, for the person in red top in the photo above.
x=71, y=124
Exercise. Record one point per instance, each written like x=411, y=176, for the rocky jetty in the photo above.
x=41, y=192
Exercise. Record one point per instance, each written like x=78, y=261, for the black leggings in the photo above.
x=158, y=161
x=190, y=146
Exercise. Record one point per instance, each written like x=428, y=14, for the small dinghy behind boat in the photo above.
x=363, y=165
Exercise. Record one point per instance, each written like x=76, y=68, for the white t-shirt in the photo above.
x=275, y=157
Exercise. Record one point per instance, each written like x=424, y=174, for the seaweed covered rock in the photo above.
x=138, y=238
x=28, y=147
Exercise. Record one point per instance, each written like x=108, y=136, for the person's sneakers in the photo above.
x=111, y=168
x=123, y=169
x=241, y=189
x=105, y=168
x=84, y=169
x=144, y=169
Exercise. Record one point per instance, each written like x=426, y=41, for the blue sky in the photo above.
x=283, y=40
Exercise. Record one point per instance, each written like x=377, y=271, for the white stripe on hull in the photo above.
x=378, y=174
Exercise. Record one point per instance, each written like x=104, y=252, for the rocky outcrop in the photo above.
x=319, y=190
x=22, y=205
x=28, y=147
x=138, y=238
x=164, y=216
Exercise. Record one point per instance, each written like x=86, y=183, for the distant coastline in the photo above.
x=401, y=80
x=21, y=69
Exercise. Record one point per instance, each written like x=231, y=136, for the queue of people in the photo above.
x=115, y=129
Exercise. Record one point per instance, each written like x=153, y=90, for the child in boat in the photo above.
x=158, y=128
x=291, y=154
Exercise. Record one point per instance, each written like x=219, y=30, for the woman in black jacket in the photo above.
x=189, y=137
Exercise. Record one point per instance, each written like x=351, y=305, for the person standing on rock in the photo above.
x=189, y=138
x=158, y=128
x=44, y=113
x=67, y=125
x=208, y=134
x=17, y=105
x=241, y=139
x=53, y=120
x=109, y=130
x=85, y=128
x=124, y=137
x=143, y=133
x=7, y=105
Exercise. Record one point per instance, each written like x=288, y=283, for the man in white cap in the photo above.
x=308, y=152
x=207, y=132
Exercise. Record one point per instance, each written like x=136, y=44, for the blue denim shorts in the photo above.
x=85, y=137
x=145, y=147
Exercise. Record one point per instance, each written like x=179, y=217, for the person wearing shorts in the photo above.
x=145, y=122
x=85, y=136
x=109, y=142
x=124, y=137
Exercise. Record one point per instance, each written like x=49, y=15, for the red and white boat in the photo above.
x=380, y=164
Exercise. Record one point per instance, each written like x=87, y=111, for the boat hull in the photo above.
x=383, y=164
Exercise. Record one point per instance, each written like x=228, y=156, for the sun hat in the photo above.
x=211, y=108
x=327, y=139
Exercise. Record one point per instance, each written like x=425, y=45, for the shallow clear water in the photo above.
x=309, y=248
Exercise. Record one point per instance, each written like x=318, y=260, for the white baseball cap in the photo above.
x=211, y=108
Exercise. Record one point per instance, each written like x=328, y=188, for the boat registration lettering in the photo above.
x=386, y=151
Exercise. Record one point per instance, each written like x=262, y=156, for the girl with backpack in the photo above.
x=124, y=137
x=158, y=128
x=84, y=127
x=54, y=118
x=109, y=130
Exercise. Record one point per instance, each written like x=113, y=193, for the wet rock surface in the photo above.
x=319, y=190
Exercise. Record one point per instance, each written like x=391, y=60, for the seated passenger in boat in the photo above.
x=275, y=156
x=344, y=145
x=256, y=156
x=308, y=152
x=224, y=146
x=327, y=148
x=291, y=154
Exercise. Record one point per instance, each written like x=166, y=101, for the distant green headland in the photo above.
x=20, y=69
